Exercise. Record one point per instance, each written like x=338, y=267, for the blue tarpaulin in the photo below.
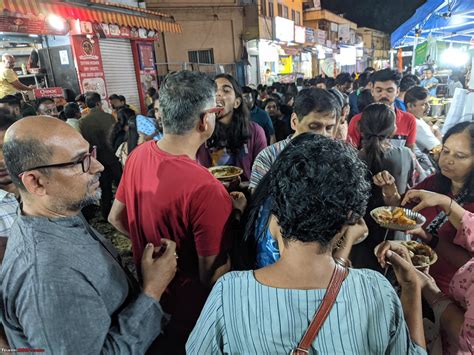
x=451, y=20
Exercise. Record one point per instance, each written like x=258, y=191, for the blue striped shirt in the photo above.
x=242, y=316
x=8, y=212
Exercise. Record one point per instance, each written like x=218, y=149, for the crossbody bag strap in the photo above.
x=322, y=313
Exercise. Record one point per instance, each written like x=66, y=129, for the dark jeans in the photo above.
x=111, y=174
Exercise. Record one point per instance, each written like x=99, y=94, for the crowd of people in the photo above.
x=241, y=266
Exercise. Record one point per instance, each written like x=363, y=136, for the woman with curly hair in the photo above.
x=236, y=140
x=318, y=200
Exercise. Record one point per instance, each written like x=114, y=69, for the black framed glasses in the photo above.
x=85, y=162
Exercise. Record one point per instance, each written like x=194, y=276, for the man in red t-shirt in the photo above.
x=164, y=193
x=385, y=89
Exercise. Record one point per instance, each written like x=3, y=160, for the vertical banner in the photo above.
x=89, y=66
x=144, y=56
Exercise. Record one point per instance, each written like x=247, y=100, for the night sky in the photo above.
x=384, y=15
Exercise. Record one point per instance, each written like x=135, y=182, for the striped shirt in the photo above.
x=8, y=212
x=264, y=161
x=243, y=316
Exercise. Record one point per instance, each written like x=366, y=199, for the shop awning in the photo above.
x=451, y=20
x=95, y=11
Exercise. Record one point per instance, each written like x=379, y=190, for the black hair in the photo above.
x=330, y=83
x=415, y=94
x=364, y=99
x=71, y=110
x=386, y=75
x=369, y=69
x=6, y=119
x=80, y=98
x=443, y=183
x=151, y=91
x=271, y=99
x=23, y=154
x=319, y=80
x=122, y=98
x=407, y=83
x=246, y=90
x=316, y=100
x=376, y=125
x=92, y=99
x=114, y=97
x=363, y=79
x=126, y=117
x=315, y=188
x=10, y=100
x=69, y=95
x=343, y=78
x=237, y=133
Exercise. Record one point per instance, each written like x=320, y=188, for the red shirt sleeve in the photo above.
x=411, y=139
x=353, y=133
x=210, y=210
x=120, y=194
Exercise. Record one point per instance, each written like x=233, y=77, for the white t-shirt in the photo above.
x=425, y=139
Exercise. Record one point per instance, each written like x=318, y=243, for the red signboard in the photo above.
x=24, y=24
x=89, y=65
x=145, y=71
x=48, y=92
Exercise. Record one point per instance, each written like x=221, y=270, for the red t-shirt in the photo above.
x=405, y=134
x=173, y=197
x=442, y=271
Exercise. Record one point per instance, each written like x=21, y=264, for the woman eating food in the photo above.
x=377, y=127
x=453, y=312
x=236, y=140
x=455, y=180
x=318, y=200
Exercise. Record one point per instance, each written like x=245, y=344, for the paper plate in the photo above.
x=225, y=172
x=418, y=218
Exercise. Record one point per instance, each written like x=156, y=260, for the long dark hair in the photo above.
x=125, y=118
x=376, y=125
x=237, y=133
x=443, y=183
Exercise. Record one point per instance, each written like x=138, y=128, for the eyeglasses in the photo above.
x=85, y=162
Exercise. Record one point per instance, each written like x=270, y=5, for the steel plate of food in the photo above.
x=225, y=172
x=397, y=218
x=421, y=254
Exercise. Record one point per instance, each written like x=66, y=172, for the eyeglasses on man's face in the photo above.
x=85, y=163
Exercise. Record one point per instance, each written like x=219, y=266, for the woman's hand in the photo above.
x=239, y=201
x=425, y=199
x=355, y=232
x=420, y=233
x=387, y=182
x=399, y=257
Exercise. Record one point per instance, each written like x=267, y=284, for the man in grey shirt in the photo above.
x=63, y=288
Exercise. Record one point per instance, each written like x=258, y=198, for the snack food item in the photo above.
x=225, y=172
x=397, y=216
x=421, y=254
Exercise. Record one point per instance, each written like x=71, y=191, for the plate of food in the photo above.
x=421, y=254
x=225, y=172
x=397, y=218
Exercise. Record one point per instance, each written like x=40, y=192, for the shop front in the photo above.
x=283, y=58
x=84, y=46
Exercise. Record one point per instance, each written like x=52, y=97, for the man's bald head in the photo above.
x=32, y=142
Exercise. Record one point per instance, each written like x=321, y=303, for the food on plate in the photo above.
x=397, y=216
x=421, y=254
x=225, y=172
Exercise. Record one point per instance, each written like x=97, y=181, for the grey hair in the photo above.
x=22, y=155
x=183, y=97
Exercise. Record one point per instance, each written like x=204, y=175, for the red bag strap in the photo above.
x=322, y=313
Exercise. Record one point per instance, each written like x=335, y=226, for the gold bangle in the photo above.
x=343, y=262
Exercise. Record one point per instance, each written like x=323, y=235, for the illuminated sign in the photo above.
x=284, y=29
